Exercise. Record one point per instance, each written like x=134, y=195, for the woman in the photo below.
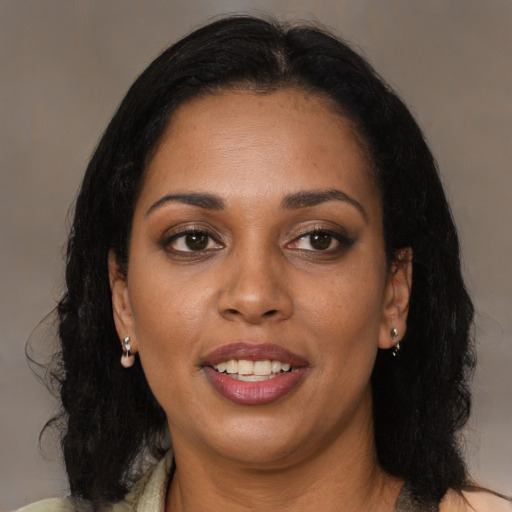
x=263, y=265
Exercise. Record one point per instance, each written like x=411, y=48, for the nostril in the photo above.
x=270, y=313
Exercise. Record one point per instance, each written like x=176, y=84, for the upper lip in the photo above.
x=252, y=351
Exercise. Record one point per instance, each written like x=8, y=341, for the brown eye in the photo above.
x=320, y=241
x=316, y=241
x=191, y=241
x=196, y=241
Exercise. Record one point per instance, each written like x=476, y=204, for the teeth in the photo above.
x=232, y=366
x=245, y=367
x=255, y=378
x=252, y=371
x=221, y=367
x=276, y=366
x=262, y=367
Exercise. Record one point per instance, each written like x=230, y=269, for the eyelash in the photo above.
x=189, y=232
x=343, y=242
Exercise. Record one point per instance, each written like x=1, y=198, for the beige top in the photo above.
x=148, y=495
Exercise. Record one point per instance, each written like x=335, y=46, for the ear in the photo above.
x=396, y=299
x=121, y=306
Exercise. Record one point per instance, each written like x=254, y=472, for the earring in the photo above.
x=127, y=359
x=396, y=346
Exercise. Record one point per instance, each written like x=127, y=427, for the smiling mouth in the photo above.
x=253, y=371
x=249, y=373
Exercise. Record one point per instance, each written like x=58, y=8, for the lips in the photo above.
x=253, y=374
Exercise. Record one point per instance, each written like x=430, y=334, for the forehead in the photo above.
x=249, y=142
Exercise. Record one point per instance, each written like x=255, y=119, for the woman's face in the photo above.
x=257, y=249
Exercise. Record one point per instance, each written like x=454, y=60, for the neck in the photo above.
x=344, y=476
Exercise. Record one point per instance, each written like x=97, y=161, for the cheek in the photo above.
x=343, y=314
x=345, y=301
x=169, y=327
x=170, y=315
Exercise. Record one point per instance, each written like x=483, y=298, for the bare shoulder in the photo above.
x=474, y=501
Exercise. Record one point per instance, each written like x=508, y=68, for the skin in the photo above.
x=261, y=277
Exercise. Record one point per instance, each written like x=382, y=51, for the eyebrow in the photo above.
x=302, y=199
x=308, y=198
x=206, y=201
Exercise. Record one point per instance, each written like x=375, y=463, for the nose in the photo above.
x=255, y=290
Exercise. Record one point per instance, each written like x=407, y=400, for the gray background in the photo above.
x=66, y=65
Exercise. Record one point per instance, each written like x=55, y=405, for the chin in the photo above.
x=258, y=442
x=263, y=453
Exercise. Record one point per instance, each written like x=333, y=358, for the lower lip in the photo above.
x=254, y=393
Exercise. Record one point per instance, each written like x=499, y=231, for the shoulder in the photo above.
x=57, y=505
x=474, y=501
x=148, y=494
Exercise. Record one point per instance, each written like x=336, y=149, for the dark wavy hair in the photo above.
x=421, y=398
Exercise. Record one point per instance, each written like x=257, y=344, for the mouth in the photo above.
x=253, y=374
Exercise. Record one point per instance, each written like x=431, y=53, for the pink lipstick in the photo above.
x=253, y=374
